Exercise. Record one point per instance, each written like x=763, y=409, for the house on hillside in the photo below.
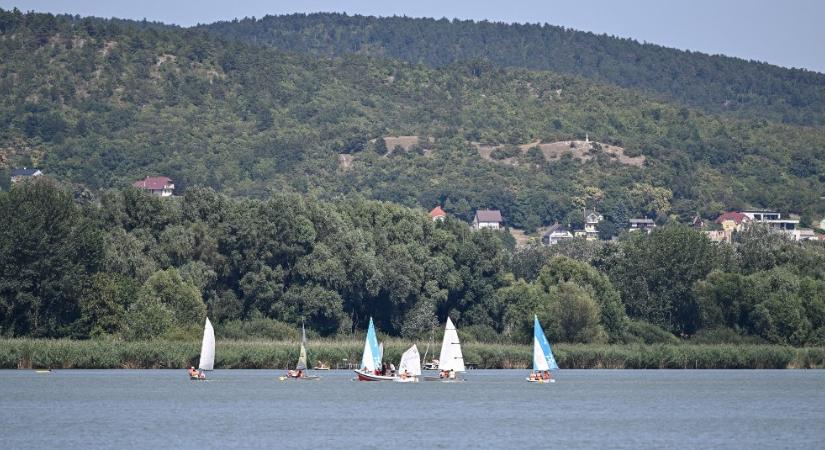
x=644, y=225
x=437, y=214
x=807, y=234
x=731, y=222
x=774, y=220
x=488, y=218
x=591, y=221
x=822, y=224
x=18, y=175
x=160, y=186
x=698, y=222
x=555, y=234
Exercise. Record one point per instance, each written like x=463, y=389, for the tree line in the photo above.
x=133, y=266
x=716, y=84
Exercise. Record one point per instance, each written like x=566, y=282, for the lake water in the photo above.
x=121, y=409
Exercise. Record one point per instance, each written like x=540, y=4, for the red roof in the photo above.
x=153, y=183
x=437, y=212
x=736, y=217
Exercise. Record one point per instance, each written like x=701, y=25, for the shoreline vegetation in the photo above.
x=278, y=355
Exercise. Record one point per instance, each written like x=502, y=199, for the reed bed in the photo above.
x=342, y=354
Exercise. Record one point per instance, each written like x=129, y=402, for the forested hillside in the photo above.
x=713, y=83
x=103, y=103
x=134, y=266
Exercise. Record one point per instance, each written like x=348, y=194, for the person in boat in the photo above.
x=201, y=375
x=192, y=372
x=392, y=369
x=546, y=375
x=452, y=374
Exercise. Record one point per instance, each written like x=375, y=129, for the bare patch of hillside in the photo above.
x=553, y=151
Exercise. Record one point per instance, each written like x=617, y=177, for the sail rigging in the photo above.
x=371, y=360
x=207, y=360
x=542, y=353
x=451, y=357
x=410, y=362
x=302, y=359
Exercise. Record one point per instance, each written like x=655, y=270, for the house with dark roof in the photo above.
x=644, y=225
x=18, y=175
x=160, y=186
x=488, y=218
x=555, y=234
x=437, y=214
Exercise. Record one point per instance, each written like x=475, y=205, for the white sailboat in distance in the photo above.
x=409, y=369
x=207, y=360
x=451, y=360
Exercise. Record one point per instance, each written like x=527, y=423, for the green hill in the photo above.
x=102, y=103
x=713, y=83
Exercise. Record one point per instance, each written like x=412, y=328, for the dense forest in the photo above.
x=135, y=266
x=712, y=83
x=120, y=100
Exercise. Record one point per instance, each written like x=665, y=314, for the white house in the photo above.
x=487, y=218
x=591, y=221
x=774, y=220
x=556, y=234
x=160, y=186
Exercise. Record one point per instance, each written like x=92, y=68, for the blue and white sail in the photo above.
x=371, y=360
x=542, y=353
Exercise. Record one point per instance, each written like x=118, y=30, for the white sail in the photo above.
x=451, y=357
x=207, y=361
x=539, y=360
x=411, y=362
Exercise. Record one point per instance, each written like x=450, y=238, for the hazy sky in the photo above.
x=784, y=32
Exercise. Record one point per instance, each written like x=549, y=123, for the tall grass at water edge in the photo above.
x=110, y=354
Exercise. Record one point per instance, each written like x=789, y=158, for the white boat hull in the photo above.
x=366, y=376
x=541, y=381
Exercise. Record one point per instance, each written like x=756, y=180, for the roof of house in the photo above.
x=154, y=183
x=24, y=172
x=591, y=212
x=736, y=217
x=556, y=228
x=437, y=212
x=648, y=221
x=489, y=215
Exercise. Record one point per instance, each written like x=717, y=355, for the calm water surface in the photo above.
x=124, y=409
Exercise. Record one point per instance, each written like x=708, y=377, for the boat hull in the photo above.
x=445, y=380
x=406, y=380
x=303, y=378
x=365, y=376
x=540, y=381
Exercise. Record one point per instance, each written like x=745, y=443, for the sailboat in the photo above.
x=451, y=360
x=301, y=367
x=371, y=359
x=409, y=369
x=543, y=360
x=207, y=361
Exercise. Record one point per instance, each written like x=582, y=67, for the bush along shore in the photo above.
x=111, y=354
